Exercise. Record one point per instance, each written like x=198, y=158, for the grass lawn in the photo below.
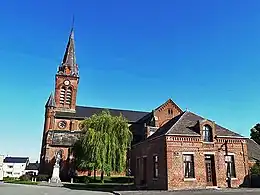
x=110, y=183
x=21, y=182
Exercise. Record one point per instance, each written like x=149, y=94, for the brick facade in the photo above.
x=157, y=138
x=171, y=150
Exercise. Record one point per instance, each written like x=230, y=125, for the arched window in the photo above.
x=207, y=133
x=62, y=95
x=68, y=96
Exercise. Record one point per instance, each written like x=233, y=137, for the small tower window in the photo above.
x=207, y=133
x=62, y=95
x=68, y=96
x=170, y=112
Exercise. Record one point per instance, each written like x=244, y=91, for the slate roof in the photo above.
x=16, y=159
x=187, y=124
x=50, y=102
x=33, y=166
x=253, y=150
x=84, y=111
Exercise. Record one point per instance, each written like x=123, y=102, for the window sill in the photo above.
x=189, y=179
x=204, y=142
x=233, y=179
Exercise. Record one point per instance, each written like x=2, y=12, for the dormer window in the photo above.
x=207, y=133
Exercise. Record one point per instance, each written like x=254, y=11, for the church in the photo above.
x=62, y=115
x=171, y=148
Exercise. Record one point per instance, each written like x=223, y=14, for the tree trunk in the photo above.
x=102, y=176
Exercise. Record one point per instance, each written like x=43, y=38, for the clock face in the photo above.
x=62, y=124
x=67, y=82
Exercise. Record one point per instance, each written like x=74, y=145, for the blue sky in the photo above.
x=136, y=54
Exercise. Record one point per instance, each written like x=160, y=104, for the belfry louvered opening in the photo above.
x=62, y=95
x=68, y=96
x=65, y=95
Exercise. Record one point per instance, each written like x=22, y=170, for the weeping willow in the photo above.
x=104, y=143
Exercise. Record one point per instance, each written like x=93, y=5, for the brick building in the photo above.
x=171, y=148
x=190, y=151
x=62, y=115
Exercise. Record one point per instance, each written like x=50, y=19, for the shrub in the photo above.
x=25, y=177
x=82, y=179
x=8, y=178
x=255, y=169
x=42, y=177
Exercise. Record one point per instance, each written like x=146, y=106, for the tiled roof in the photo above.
x=83, y=112
x=253, y=150
x=33, y=166
x=186, y=124
x=16, y=159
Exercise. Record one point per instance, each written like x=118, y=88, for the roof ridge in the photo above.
x=217, y=124
x=167, y=101
x=119, y=109
x=182, y=114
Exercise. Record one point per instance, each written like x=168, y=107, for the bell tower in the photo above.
x=67, y=79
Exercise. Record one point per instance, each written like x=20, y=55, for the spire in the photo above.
x=69, y=65
x=50, y=102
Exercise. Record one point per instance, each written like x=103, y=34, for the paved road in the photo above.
x=198, y=192
x=14, y=189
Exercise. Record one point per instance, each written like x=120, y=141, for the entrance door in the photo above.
x=144, y=180
x=210, y=170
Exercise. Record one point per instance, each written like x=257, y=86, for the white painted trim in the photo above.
x=183, y=153
x=207, y=142
x=231, y=153
x=209, y=153
x=189, y=179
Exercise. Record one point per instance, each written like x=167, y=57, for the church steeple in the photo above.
x=67, y=79
x=69, y=66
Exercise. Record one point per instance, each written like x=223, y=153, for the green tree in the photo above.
x=255, y=133
x=255, y=169
x=103, y=144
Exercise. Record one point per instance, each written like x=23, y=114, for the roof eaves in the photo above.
x=176, y=134
x=230, y=136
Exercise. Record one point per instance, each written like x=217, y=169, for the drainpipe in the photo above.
x=228, y=167
x=243, y=150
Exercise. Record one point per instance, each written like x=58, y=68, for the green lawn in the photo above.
x=110, y=183
x=21, y=182
x=107, y=179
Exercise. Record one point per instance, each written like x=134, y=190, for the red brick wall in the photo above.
x=175, y=149
x=150, y=148
x=163, y=115
x=59, y=83
x=171, y=167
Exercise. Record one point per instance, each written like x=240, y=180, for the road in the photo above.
x=198, y=192
x=15, y=189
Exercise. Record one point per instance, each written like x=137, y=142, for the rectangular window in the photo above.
x=155, y=167
x=230, y=165
x=188, y=160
